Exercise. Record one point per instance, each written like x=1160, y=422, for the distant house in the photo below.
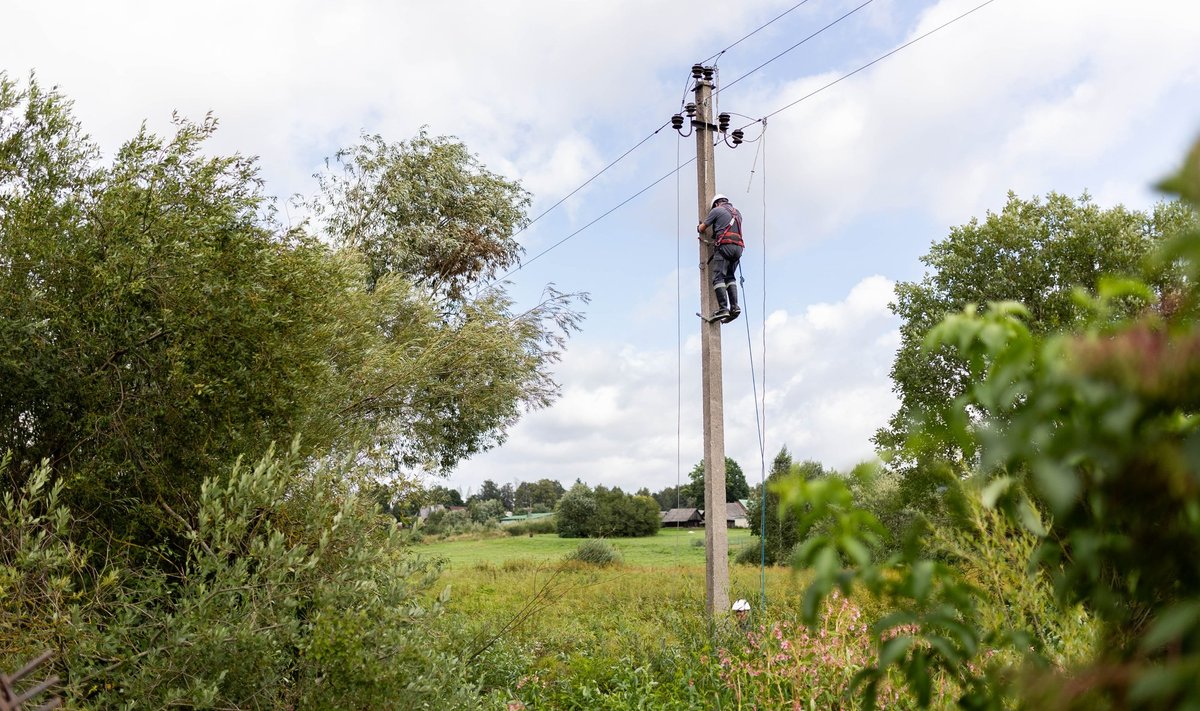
x=683, y=518
x=426, y=510
x=736, y=515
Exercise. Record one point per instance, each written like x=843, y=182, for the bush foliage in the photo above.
x=595, y=552
x=293, y=593
x=584, y=512
x=1083, y=444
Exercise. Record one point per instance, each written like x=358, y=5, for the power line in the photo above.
x=789, y=49
x=761, y=120
x=664, y=125
x=655, y=132
x=589, y=180
x=608, y=212
x=872, y=62
x=760, y=29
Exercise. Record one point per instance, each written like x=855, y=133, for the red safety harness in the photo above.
x=732, y=234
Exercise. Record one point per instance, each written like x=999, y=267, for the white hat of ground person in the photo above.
x=741, y=606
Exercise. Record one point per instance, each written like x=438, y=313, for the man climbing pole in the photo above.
x=726, y=224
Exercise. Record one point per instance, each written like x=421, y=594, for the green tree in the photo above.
x=508, y=497
x=671, y=497
x=488, y=491
x=781, y=528
x=539, y=496
x=425, y=208
x=221, y=332
x=575, y=512
x=1072, y=467
x=484, y=510
x=1033, y=251
x=736, y=487
x=444, y=495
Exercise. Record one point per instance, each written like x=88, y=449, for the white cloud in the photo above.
x=1023, y=94
x=827, y=393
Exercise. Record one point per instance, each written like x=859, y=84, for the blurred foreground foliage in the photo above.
x=1065, y=573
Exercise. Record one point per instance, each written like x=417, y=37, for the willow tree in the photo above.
x=158, y=321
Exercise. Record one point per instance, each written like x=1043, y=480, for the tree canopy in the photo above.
x=1035, y=251
x=584, y=512
x=158, y=322
x=736, y=487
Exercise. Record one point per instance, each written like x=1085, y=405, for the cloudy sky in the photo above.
x=841, y=198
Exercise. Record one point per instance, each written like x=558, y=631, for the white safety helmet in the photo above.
x=716, y=199
x=741, y=606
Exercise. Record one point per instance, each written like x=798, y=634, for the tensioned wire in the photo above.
x=761, y=120
x=760, y=419
x=678, y=334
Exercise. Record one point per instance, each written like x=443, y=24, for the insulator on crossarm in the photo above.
x=723, y=122
x=708, y=73
x=738, y=136
x=697, y=70
x=690, y=108
x=677, y=122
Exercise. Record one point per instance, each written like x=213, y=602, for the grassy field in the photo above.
x=670, y=548
x=544, y=634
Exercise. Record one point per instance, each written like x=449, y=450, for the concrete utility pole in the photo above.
x=716, y=538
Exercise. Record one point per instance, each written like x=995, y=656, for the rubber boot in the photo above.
x=734, y=309
x=722, y=312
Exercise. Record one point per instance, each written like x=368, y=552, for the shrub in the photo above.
x=443, y=524
x=1082, y=447
x=787, y=665
x=596, y=552
x=544, y=524
x=749, y=554
x=293, y=593
x=604, y=512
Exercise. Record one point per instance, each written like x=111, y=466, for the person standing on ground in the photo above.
x=741, y=613
x=726, y=224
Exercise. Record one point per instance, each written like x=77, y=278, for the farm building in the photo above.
x=683, y=518
x=736, y=515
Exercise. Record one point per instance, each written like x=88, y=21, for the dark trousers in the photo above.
x=725, y=263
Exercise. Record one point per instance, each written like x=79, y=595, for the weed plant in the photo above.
x=597, y=552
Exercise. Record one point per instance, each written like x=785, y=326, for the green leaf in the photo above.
x=945, y=648
x=995, y=489
x=857, y=552
x=921, y=579
x=893, y=650
x=1057, y=482
x=1170, y=625
x=1028, y=514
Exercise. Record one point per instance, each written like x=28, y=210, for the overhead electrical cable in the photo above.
x=744, y=38
x=754, y=32
x=789, y=49
x=680, y=167
x=589, y=180
x=606, y=213
x=871, y=63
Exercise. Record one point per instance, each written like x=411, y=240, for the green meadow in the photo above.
x=552, y=634
x=670, y=548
